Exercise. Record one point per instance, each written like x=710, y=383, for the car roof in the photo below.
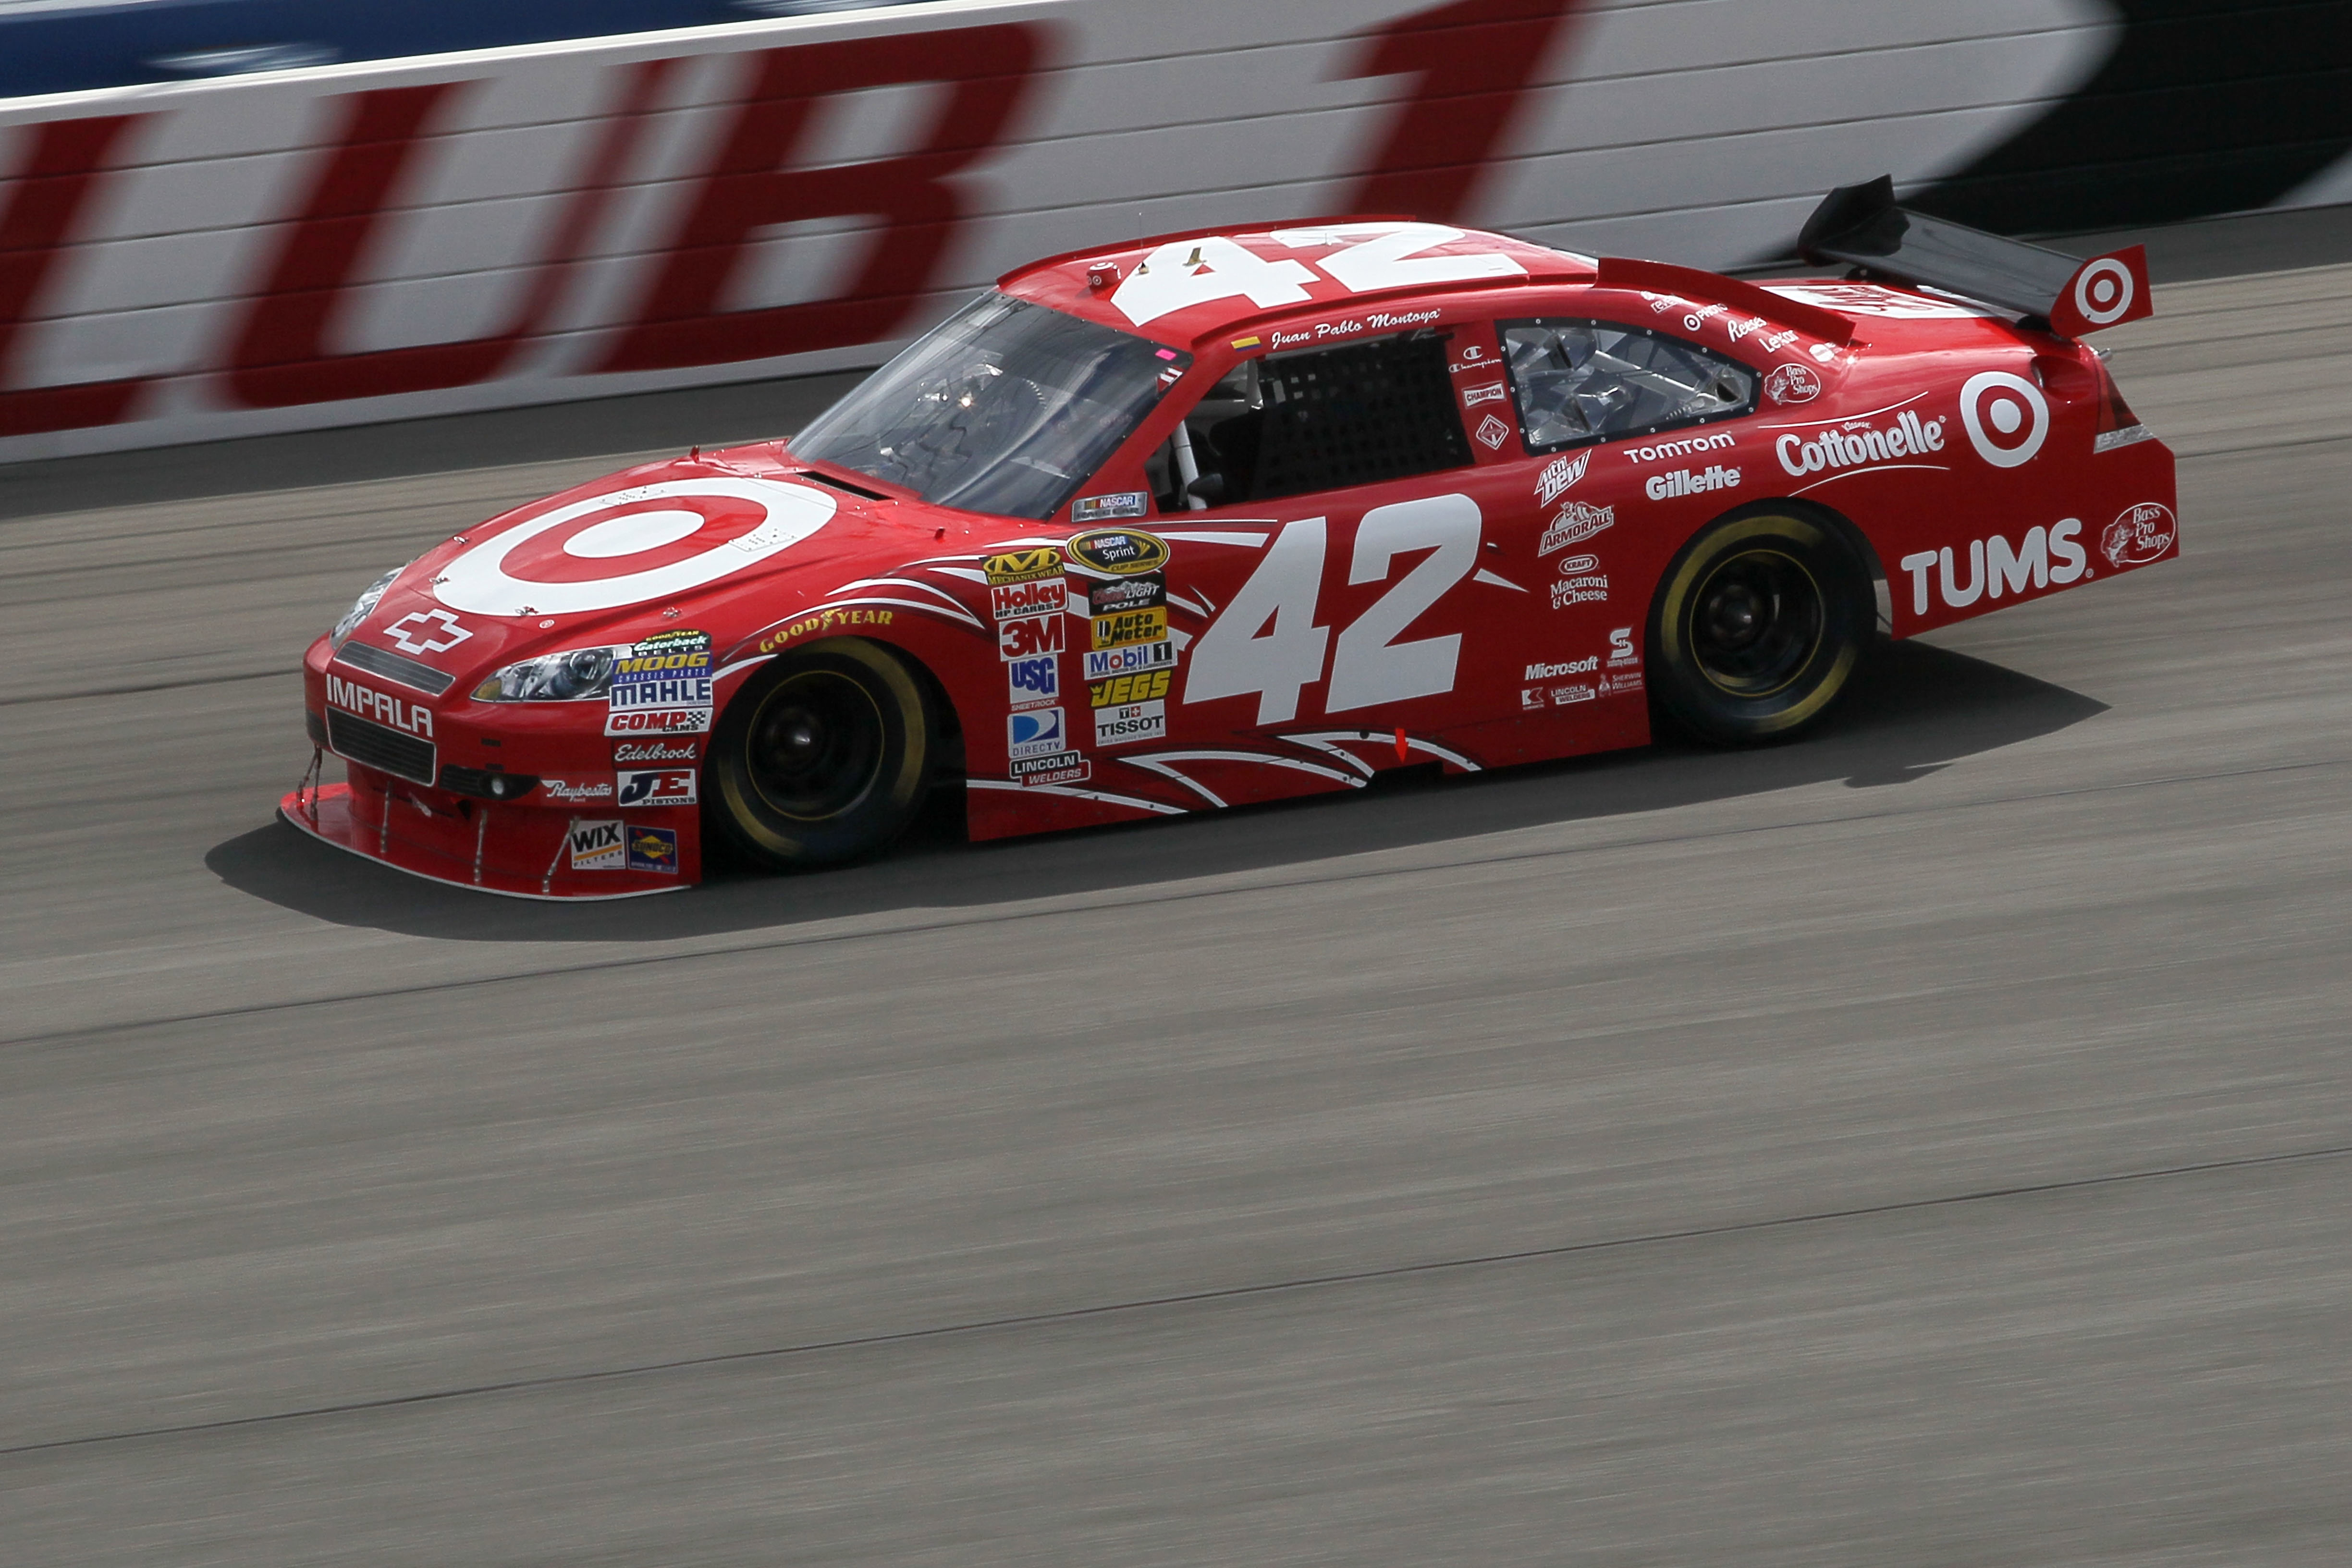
x=1287, y=285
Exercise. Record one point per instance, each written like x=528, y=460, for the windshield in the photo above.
x=1007, y=408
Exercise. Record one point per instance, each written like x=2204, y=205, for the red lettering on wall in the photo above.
x=1474, y=60
x=749, y=188
x=281, y=358
x=43, y=204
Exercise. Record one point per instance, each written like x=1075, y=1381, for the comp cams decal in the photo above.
x=632, y=546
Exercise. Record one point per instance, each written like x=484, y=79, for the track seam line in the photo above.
x=1192, y=1297
x=994, y=916
x=159, y=686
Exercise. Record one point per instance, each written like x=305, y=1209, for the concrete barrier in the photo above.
x=545, y=223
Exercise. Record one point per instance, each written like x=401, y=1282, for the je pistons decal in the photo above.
x=1023, y=565
x=657, y=786
x=632, y=546
x=1120, y=552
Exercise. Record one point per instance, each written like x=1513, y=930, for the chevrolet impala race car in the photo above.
x=1216, y=518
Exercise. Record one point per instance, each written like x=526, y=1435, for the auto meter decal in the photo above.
x=2005, y=416
x=633, y=546
x=1121, y=552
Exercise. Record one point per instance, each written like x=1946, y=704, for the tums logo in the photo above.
x=2045, y=556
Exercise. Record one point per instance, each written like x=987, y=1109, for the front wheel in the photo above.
x=822, y=757
x=1758, y=625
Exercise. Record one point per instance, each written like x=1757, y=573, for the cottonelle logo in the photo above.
x=1860, y=443
x=2045, y=556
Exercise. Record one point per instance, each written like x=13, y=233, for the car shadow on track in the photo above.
x=1915, y=710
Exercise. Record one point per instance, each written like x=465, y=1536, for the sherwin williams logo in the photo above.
x=1862, y=444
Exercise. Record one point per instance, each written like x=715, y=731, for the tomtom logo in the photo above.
x=1722, y=440
x=2045, y=556
x=412, y=718
x=1861, y=445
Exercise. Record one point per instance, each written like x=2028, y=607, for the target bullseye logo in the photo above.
x=2005, y=416
x=557, y=563
x=2103, y=291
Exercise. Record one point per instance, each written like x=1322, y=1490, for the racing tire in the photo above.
x=824, y=757
x=1757, y=628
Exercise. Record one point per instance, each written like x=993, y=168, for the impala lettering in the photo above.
x=408, y=718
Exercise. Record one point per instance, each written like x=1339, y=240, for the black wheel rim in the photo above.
x=814, y=747
x=1756, y=623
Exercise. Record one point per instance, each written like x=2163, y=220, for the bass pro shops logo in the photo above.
x=2138, y=535
x=2045, y=556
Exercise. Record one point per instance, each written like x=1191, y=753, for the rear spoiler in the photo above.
x=1862, y=226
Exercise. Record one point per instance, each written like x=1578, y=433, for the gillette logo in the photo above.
x=1683, y=482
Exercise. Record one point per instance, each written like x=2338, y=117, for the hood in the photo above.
x=720, y=543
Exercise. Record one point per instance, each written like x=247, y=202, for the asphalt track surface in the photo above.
x=1927, y=1144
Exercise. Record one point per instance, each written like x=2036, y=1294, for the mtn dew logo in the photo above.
x=1558, y=475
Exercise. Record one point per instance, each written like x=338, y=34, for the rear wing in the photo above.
x=1862, y=226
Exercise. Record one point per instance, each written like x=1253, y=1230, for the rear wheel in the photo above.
x=822, y=757
x=1758, y=628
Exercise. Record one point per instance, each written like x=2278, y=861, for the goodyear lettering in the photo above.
x=822, y=621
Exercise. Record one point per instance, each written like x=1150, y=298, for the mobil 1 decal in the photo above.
x=661, y=687
x=1277, y=636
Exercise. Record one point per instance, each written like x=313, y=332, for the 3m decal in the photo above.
x=1032, y=683
x=1023, y=565
x=427, y=631
x=1029, y=636
x=2139, y=534
x=1995, y=408
x=2045, y=556
x=551, y=564
x=657, y=786
x=653, y=849
x=409, y=718
x=597, y=846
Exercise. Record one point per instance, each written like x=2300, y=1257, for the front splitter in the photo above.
x=326, y=813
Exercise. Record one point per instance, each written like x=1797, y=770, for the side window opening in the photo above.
x=1320, y=419
x=1577, y=381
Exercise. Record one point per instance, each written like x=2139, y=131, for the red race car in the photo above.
x=1220, y=518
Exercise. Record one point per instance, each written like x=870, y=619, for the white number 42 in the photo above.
x=1267, y=642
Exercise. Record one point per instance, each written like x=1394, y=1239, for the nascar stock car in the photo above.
x=1218, y=517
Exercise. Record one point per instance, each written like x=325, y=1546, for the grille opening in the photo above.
x=365, y=742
